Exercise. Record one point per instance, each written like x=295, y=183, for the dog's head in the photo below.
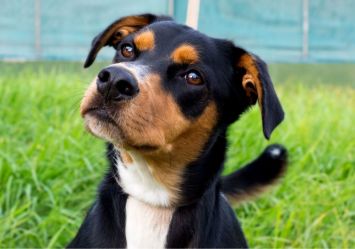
x=170, y=88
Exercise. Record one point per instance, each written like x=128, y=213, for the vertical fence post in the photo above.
x=193, y=9
x=37, y=23
x=305, y=28
x=171, y=8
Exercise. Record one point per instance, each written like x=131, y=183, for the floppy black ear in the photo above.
x=257, y=84
x=116, y=31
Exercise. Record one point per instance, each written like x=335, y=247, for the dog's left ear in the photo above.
x=119, y=29
x=257, y=85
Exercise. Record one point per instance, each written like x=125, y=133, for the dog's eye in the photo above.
x=127, y=51
x=193, y=77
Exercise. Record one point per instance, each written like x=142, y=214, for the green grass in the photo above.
x=50, y=167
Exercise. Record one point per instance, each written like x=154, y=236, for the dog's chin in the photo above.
x=100, y=124
x=102, y=127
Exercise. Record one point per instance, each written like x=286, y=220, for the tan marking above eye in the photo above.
x=185, y=54
x=145, y=40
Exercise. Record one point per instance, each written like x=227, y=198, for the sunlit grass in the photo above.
x=50, y=167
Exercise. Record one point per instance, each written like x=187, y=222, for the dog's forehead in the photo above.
x=179, y=43
x=169, y=35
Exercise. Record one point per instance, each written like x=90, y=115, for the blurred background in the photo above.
x=279, y=31
x=50, y=166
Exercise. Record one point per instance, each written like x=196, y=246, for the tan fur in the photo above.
x=249, y=79
x=121, y=33
x=88, y=100
x=144, y=41
x=185, y=54
x=246, y=61
x=126, y=26
x=126, y=157
x=92, y=99
x=168, y=164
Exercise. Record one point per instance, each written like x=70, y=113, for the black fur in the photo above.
x=104, y=225
x=207, y=222
x=245, y=182
x=204, y=217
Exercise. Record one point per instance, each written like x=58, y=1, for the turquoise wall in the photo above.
x=66, y=26
x=272, y=29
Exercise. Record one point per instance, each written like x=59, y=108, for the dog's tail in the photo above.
x=256, y=176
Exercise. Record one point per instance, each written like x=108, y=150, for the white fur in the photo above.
x=137, y=180
x=146, y=226
x=147, y=215
x=275, y=152
x=97, y=128
x=138, y=70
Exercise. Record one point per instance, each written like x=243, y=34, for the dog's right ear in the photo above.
x=115, y=32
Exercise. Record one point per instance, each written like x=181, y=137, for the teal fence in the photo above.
x=279, y=31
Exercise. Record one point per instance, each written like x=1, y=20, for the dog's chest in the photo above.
x=146, y=226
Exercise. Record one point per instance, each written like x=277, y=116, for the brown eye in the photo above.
x=193, y=78
x=127, y=51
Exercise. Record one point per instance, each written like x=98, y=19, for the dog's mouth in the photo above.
x=103, y=116
x=100, y=113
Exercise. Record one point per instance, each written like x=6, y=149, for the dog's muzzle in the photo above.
x=116, y=84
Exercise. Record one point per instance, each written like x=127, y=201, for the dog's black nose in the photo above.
x=116, y=84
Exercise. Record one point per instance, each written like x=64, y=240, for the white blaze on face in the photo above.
x=139, y=71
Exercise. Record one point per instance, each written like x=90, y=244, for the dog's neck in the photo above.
x=137, y=179
x=204, y=173
x=162, y=179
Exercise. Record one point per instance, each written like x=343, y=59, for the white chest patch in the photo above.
x=137, y=180
x=146, y=226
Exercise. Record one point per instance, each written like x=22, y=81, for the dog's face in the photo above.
x=170, y=87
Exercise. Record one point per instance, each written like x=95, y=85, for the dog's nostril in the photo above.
x=116, y=84
x=104, y=76
x=125, y=88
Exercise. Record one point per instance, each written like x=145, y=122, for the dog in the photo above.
x=163, y=106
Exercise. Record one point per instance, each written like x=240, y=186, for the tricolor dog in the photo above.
x=163, y=106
